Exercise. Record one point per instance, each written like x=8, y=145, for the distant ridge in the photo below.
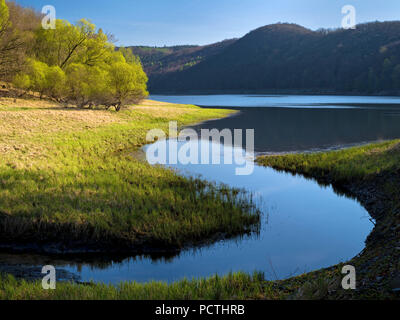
x=161, y=60
x=283, y=57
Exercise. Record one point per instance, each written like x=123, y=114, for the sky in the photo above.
x=177, y=22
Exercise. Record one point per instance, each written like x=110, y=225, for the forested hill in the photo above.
x=289, y=57
x=161, y=60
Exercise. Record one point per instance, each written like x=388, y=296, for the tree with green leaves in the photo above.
x=4, y=17
x=8, y=42
x=85, y=85
x=128, y=55
x=77, y=64
x=39, y=77
x=55, y=83
x=17, y=26
x=127, y=83
x=70, y=43
x=33, y=78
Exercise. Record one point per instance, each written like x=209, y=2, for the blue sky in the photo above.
x=169, y=22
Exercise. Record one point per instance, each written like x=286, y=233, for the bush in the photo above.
x=126, y=84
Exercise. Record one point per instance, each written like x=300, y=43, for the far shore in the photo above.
x=300, y=92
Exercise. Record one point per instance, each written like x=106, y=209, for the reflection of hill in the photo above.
x=301, y=129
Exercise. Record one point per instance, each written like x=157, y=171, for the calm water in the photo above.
x=304, y=226
x=300, y=123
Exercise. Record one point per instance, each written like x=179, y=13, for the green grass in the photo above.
x=232, y=286
x=369, y=173
x=343, y=166
x=68, y=176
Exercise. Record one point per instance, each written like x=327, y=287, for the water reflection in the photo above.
x=291, y=129
x=303, y=123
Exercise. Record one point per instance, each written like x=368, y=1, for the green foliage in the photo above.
x=4, y=15
x=41, y=78
x=22, y=81
x=126, y=83
x=84, y=84
x=35, y=76
x=55, y=82
x=160, y=60
x=67, y=43
x=129, y=56
x=78, y=65
x=17, y=25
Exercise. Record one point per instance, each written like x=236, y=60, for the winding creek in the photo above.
x=304, y=226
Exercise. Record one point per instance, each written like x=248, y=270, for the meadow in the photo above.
x=69, y=181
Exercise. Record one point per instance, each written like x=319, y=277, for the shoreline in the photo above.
x=377, y=272
x=276, y=92
x=373, y=199
x=186, y=115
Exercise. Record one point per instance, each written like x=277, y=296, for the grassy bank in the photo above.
x=369, y=174
x=344, y=166
x=239, y=286
x=68, y=180
x=323, y=284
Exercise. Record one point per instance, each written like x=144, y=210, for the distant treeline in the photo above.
x=73, y=64
x=160, y=60
x=288, y=57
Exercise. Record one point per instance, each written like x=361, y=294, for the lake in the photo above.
x=304, y=226
x=304, y=123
